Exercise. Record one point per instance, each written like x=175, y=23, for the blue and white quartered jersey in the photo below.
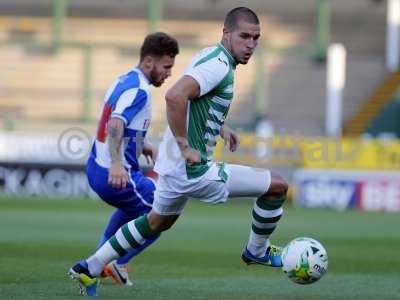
x=129, y=99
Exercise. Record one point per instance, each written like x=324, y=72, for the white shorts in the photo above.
x=172, y=193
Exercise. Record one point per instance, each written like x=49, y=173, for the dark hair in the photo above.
x=159, y=44
x=240, y=13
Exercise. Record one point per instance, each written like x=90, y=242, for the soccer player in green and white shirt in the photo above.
x=197, y=106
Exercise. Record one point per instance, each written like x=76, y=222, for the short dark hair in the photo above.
x=159, y=44
x=240, y=13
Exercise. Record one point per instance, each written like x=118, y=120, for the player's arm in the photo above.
x=126, y=108
x=177, y=98
x=149, y=152
x=229, y=137
x=198, y=80
x=117, y=176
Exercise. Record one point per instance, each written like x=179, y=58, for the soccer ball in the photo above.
x=304, y=260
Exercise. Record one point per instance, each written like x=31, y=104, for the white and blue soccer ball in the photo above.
x=304, y=260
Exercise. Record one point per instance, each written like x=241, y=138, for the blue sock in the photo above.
x=84, y=264
x=117, y=219
x=126, y=258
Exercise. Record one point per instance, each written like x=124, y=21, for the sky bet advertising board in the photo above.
x=342, y=189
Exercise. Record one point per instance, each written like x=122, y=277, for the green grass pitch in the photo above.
x=200, y=257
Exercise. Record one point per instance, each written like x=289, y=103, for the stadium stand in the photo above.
x=49, y=87
x=26, y=82
x=387, y=122
x=369, y=110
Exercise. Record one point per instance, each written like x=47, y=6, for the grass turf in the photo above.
x=199, y=258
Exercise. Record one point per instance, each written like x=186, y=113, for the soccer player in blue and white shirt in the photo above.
x=113, y=168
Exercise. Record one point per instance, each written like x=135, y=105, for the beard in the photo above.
x=244, y=61
x=154, y=78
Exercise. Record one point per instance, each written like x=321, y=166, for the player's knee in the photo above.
x=157, y=226
x=160, y=223
x=166, y=225
x=278, y=187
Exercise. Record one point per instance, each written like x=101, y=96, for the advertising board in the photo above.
x=343, y=189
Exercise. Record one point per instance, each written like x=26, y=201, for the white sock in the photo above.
x=103, y=256
x=257, y=244
x=264, y=222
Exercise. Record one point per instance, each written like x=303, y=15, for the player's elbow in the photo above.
x=172, y=97
x=115, y=125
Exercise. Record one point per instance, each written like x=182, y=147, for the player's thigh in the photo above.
x=169, y=200
x=245, y=181
x=135, y=199
x=143, y=187
x=210, y=191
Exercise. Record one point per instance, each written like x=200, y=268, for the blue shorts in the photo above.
x=136, y=198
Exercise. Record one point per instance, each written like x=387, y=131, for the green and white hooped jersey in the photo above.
x=213, y=70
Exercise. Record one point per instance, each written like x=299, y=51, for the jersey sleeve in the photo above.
x=129, y=104
x=209, y=73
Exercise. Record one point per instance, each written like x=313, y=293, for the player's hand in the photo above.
x=230, y=138
x=191, y=155
x=150, y=153
x=117, y=176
